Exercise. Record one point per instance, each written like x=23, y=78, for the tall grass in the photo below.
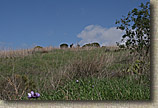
x=102, y=75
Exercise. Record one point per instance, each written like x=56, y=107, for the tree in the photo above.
x=137, y=29
x=64, y=45
x=38, y=47
x=71, y=45
x=95, y=44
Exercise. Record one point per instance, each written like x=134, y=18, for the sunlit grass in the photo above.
x=101, y=75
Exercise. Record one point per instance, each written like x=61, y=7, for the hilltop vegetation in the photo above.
x=102, y=75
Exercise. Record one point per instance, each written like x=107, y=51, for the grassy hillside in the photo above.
x=74, y=74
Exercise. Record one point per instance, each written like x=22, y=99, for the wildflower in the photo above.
x=77, y=81
x=29, y=95
x=33, y=95
x=92, y=86
x=37, y=94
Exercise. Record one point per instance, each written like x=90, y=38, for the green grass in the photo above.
x=54, y=76
x=100, y=89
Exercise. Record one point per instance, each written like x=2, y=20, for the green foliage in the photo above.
x=86, y=45
x=95, y=44
x=48, y=73
x=137, y=27
x=139, y=67
x=38, y=47
x=135, y=68
x=64, y=45
x=100, y=89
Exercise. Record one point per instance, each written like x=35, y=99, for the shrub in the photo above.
x=91, y=45
x=71, y=45
x=38, y=47
x=86, y=45
x=139, y=67
x=64, y=45
x=84, y=68
x=95, y=44
x=15, y=86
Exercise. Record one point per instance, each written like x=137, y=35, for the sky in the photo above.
x=27, y=23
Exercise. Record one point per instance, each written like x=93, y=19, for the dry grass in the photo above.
x=49, y=71
x=9, y=53
x=14, y=87
x=89, y=67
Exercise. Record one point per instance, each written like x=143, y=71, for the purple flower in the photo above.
x=29, y=95
x=33, y=95
x=37, y=94
x=77, y=81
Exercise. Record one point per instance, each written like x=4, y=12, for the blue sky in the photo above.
x=25, y=23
